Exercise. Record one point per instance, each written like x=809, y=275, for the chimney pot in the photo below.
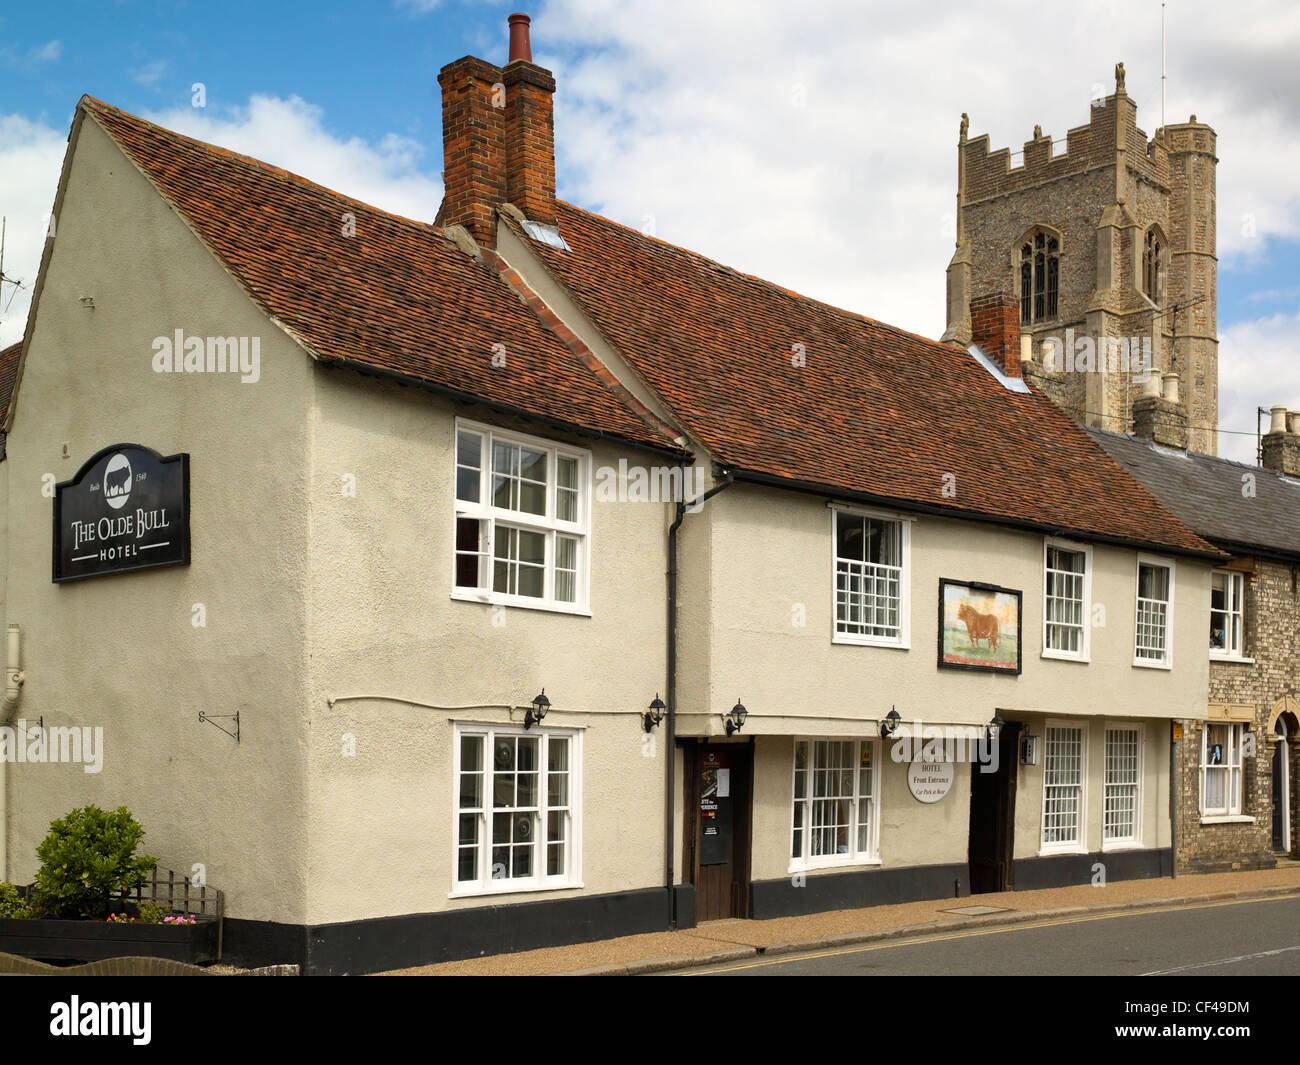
x=1171, y=387
x=520, y=46
x=1293, y=421
x=1151, y=386
x=1278, y=422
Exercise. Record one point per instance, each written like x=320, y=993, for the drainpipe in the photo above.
x=1174, y=794
x=671, y=738
x=13, y=688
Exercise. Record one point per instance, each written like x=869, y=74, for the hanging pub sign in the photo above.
x=127, y=508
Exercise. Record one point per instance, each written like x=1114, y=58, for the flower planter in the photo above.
x=54, y=940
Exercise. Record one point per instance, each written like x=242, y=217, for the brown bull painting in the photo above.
x=979, y=626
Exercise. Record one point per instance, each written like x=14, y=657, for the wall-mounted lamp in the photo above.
x=654, y=715
x=736, y=718
x=994, y=728
x=535, y=713
x=890, y=725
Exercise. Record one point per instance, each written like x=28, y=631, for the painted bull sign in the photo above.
x=127, y=508
x=979, y=627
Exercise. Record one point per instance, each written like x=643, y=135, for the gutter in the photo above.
x=812, y=487
x=670, y=769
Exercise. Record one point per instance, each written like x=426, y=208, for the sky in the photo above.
x=810, y=143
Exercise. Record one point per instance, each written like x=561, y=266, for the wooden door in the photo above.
x=721, y=796
x=992, y=818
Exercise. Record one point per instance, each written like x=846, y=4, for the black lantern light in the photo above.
x=994, y=727
x=736, y=718
x=654, y=715
x=890, y=725
x=537, y=711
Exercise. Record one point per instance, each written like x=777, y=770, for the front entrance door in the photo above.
x=993, y=817
x=1281, y=792
x=721, y=779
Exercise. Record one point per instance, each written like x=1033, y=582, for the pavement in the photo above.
x=734, y=940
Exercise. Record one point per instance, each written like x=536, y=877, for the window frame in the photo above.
x=904, y=639
x=485, y=884
x=1134, y=841
x=549, y=524
x=1231, y=654
x=1084, y=653
x=1167, y=662
x=808, y=862
x=1152, y=265
x=1235, y=807
x=1079, y=845
x=1042, y=286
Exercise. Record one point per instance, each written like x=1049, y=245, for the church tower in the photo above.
x=1103, y=257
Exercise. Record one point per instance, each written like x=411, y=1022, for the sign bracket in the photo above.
x=212, y=720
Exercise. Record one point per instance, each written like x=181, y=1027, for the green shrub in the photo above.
x=87, y=860
x=12, y=904
x=151, y=914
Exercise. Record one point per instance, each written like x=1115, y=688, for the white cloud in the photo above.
x=151, y=73
x=287, y=133
x=1257, y=368
x=30, y=158
x=48, y=52
x=691, y=117
x=815, y=144
x=292, y=134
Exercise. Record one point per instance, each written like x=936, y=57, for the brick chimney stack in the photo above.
x=995, y=327
x=1282, y=442
x=498, y=139
x=1158, y=415
x=530, y=129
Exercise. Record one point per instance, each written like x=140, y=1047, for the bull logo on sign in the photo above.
x=117, y=481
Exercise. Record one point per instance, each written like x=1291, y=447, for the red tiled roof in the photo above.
x=397, y=297
x=875, y=412
x=8, y=375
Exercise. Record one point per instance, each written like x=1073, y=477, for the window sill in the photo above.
x=863, y=641
x=1062, y=656
x=520, y=602
x=1121, y=845
x=848, y=863
x=1055, y=852
x=1227, y=819
x=513, y=889
x=1232, y=660
x=1144, y=663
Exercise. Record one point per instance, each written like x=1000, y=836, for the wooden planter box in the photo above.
x=52, y=940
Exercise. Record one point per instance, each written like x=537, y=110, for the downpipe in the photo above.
x=670, y=770
x=14, y=678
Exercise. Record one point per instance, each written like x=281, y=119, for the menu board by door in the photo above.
x=715, y=809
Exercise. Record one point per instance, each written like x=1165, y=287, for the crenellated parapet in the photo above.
x=1112, y=130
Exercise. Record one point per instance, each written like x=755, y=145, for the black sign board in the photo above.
x=128, y=508
x=715, y=809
